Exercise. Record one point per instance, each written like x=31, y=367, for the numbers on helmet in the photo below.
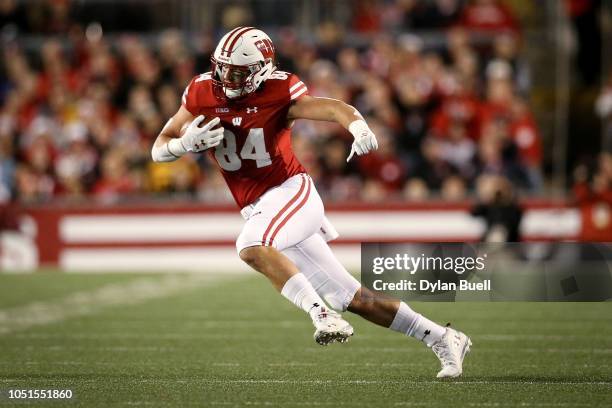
x=254, y=149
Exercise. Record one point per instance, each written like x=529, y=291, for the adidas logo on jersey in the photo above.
x=237, y=121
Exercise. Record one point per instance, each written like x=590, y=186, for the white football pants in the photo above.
x=291, y=218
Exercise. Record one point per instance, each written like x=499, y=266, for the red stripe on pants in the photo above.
x=282, y=211
x=296, y=209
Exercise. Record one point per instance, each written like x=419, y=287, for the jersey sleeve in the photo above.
x=190, y=99
x=297, y=88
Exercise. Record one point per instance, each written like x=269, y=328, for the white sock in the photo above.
x=300, y=292
x=413, y=324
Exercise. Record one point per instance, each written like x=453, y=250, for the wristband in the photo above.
x=176, y=148
x=166, y=153
x=170, y=153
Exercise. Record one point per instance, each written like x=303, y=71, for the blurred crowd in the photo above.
x=593, y=194
x=78, y=118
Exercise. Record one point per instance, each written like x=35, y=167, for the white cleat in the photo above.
x=451, y=349
x=331, y=327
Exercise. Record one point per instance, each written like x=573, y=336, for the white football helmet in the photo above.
x=242, y=61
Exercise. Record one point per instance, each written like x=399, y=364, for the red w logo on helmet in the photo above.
x=266, y=47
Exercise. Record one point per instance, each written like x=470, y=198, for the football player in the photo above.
x=285, y=234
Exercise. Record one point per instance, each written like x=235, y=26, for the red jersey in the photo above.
x=255, y=154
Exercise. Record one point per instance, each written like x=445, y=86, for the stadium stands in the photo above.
x=79, y=115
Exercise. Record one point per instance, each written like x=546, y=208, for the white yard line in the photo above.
x=204, y=363
x=340, y=382
x=292, y=403
x=543, y=337
x=397, y=404
x=354, y=348
x=94, y=301
x=500, y=404
x=595, y=350
x=411, y=382
x=366, y=382
x=369, y=404
x=248, y=325
x=369, y=382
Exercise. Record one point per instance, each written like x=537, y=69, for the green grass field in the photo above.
x=181, y=341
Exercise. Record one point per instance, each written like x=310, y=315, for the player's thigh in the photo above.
x=315, y=259
x=283, y=216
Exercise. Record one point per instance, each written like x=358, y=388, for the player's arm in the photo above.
x=334, y=110
x=170, y=145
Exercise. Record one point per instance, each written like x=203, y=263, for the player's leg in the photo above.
x=315, y=259
x=396, y=315
x=284, y=276
x=342, y=291
x=449, y=345
x=271, y=263
x=282, y=217
x=267, y=223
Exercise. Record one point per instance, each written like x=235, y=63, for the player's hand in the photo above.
x=197, y=139
x=365, y=140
